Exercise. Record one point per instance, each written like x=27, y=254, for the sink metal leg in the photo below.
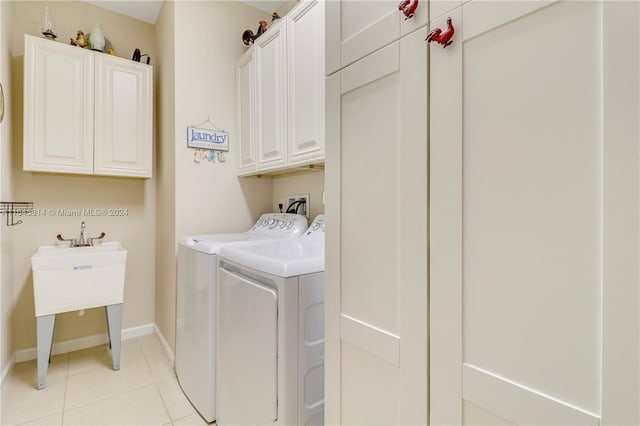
x=45, y=325
x=114, y=326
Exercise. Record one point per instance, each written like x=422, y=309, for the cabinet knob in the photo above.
x=440, y=36
x=408, y=8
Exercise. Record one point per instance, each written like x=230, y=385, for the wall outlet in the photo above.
x=302, y=207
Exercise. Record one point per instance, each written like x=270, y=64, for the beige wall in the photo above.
x=165, y=176
x=209, y=198
x=286, y=7
x=311, y=183
x=6, y=243
x=57, y=191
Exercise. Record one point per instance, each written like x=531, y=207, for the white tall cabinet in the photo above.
x=86, y=112
x=376, y=206
x=534, y=209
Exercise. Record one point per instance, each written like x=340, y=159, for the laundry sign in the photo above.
x=207, y=139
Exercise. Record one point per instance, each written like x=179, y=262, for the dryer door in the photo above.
x=247, y=350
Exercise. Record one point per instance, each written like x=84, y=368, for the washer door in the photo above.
x=248, y=350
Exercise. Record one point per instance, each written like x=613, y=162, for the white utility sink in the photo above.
x=72, y=278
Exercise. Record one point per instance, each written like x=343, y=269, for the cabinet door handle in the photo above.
x=408, y=7
x=442, y=37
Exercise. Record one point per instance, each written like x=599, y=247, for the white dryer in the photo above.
x=196, y=302
x=271, y=332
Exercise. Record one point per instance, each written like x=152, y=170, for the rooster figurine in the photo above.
x=442, y=37
x=408, y=7
x=248, y=37
x=80, y=40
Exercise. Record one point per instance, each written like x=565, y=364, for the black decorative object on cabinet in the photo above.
x=248, y=37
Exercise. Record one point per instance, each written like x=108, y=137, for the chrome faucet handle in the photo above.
x=72, y=241
x=101, y=236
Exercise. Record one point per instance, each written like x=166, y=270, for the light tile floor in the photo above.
x=83, y=389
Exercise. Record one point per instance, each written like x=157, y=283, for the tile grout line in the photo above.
x=144, y=355
x=155, y=382
x=66, y=386
x=104, y=398
x=164, y=403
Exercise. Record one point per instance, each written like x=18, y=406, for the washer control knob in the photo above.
x=315, y=226
x=289, y=224
x=273, y=224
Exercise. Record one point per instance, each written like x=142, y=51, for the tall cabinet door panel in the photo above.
x=271, y=75
x=305, y=106
x=534, y=215
x=356, y=28
x=123, y=117
x=58, y=108
x=376, y=261
x=245, y=72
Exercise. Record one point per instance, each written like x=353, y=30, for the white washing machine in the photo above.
x=196, y=303
x=271, y=332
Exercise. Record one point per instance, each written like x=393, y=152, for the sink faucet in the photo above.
x=80, y=242
x=82, y=226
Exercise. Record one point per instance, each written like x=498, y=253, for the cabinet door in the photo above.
x=376, y=262
x=305, y=118
x=271, y=100
x=245, y=79
x=58, y=107
x=123, y=119
x=534, y=215
x=355, y=28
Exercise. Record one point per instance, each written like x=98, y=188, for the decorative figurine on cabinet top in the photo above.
x=48, y=25
x=442, y=37
x=408, y=7
x=80, y=40
x=248, y=37
x=97, y=39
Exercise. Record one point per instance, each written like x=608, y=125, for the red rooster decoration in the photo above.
x=408, y=7
x=442, y=37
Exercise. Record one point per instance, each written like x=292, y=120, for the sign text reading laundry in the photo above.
x=207, y=139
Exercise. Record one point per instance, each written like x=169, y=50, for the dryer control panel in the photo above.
x=283, y=225
x=316, y=229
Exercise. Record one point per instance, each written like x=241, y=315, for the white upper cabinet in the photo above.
x=306, y=83
x=271, y=80
x=356, y=28
x=86, y=112
x=58, y=108
x=280, y=94
x=245, y=80
x=123, y=116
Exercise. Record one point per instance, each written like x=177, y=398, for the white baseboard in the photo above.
x=139, y=331
x=166, y=346
x=86, y=342
x=7, y=369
